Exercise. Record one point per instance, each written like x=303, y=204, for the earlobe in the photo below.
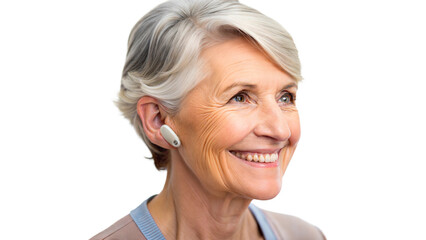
x=148, y=109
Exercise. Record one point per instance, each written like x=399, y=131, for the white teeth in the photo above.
x=267, y=158
x=257, y=157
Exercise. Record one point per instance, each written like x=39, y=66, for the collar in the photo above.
x=150, y=230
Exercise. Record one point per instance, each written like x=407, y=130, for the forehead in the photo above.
x=242, y=61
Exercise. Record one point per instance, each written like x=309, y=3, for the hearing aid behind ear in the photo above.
x=170, y=135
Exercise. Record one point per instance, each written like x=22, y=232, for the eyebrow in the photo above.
x=240, y=84
x=253, y=86
x=291, y=85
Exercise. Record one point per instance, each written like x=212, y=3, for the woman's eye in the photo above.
x=287, y=98
x=239, y=98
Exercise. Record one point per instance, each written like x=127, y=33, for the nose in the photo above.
x=272, y=122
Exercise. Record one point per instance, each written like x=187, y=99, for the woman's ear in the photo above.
x=148, y=109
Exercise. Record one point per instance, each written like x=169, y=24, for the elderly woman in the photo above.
x=210, y=86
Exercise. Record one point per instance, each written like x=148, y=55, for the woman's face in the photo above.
x=239, y=126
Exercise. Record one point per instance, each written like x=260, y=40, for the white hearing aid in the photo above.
x=170, y=135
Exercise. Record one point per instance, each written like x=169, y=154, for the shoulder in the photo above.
x=294, y=228
x=123, y=229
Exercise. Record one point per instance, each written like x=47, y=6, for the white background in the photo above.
x=71, y=165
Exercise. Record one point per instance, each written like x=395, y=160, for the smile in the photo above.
x=256, y=157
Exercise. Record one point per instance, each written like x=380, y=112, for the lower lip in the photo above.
x=259, y=164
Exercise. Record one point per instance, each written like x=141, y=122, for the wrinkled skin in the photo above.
x=214, y=120
x=208, y=189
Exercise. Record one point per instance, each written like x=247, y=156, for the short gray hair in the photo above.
x=163, y=59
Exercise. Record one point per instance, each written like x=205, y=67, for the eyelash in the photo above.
x=245, y=95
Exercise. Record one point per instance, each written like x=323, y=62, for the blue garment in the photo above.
x=150, y=230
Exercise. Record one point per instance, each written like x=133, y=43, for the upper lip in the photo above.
x=262, y=151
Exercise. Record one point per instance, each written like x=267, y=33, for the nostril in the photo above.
x=275, y=129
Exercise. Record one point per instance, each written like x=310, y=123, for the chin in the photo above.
x=263, y=192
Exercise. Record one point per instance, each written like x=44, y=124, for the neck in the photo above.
x=186, y=210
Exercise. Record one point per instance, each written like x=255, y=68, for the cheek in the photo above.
x=294, y=126
x=221, y=130
x=205, y=133
x=233, y=129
